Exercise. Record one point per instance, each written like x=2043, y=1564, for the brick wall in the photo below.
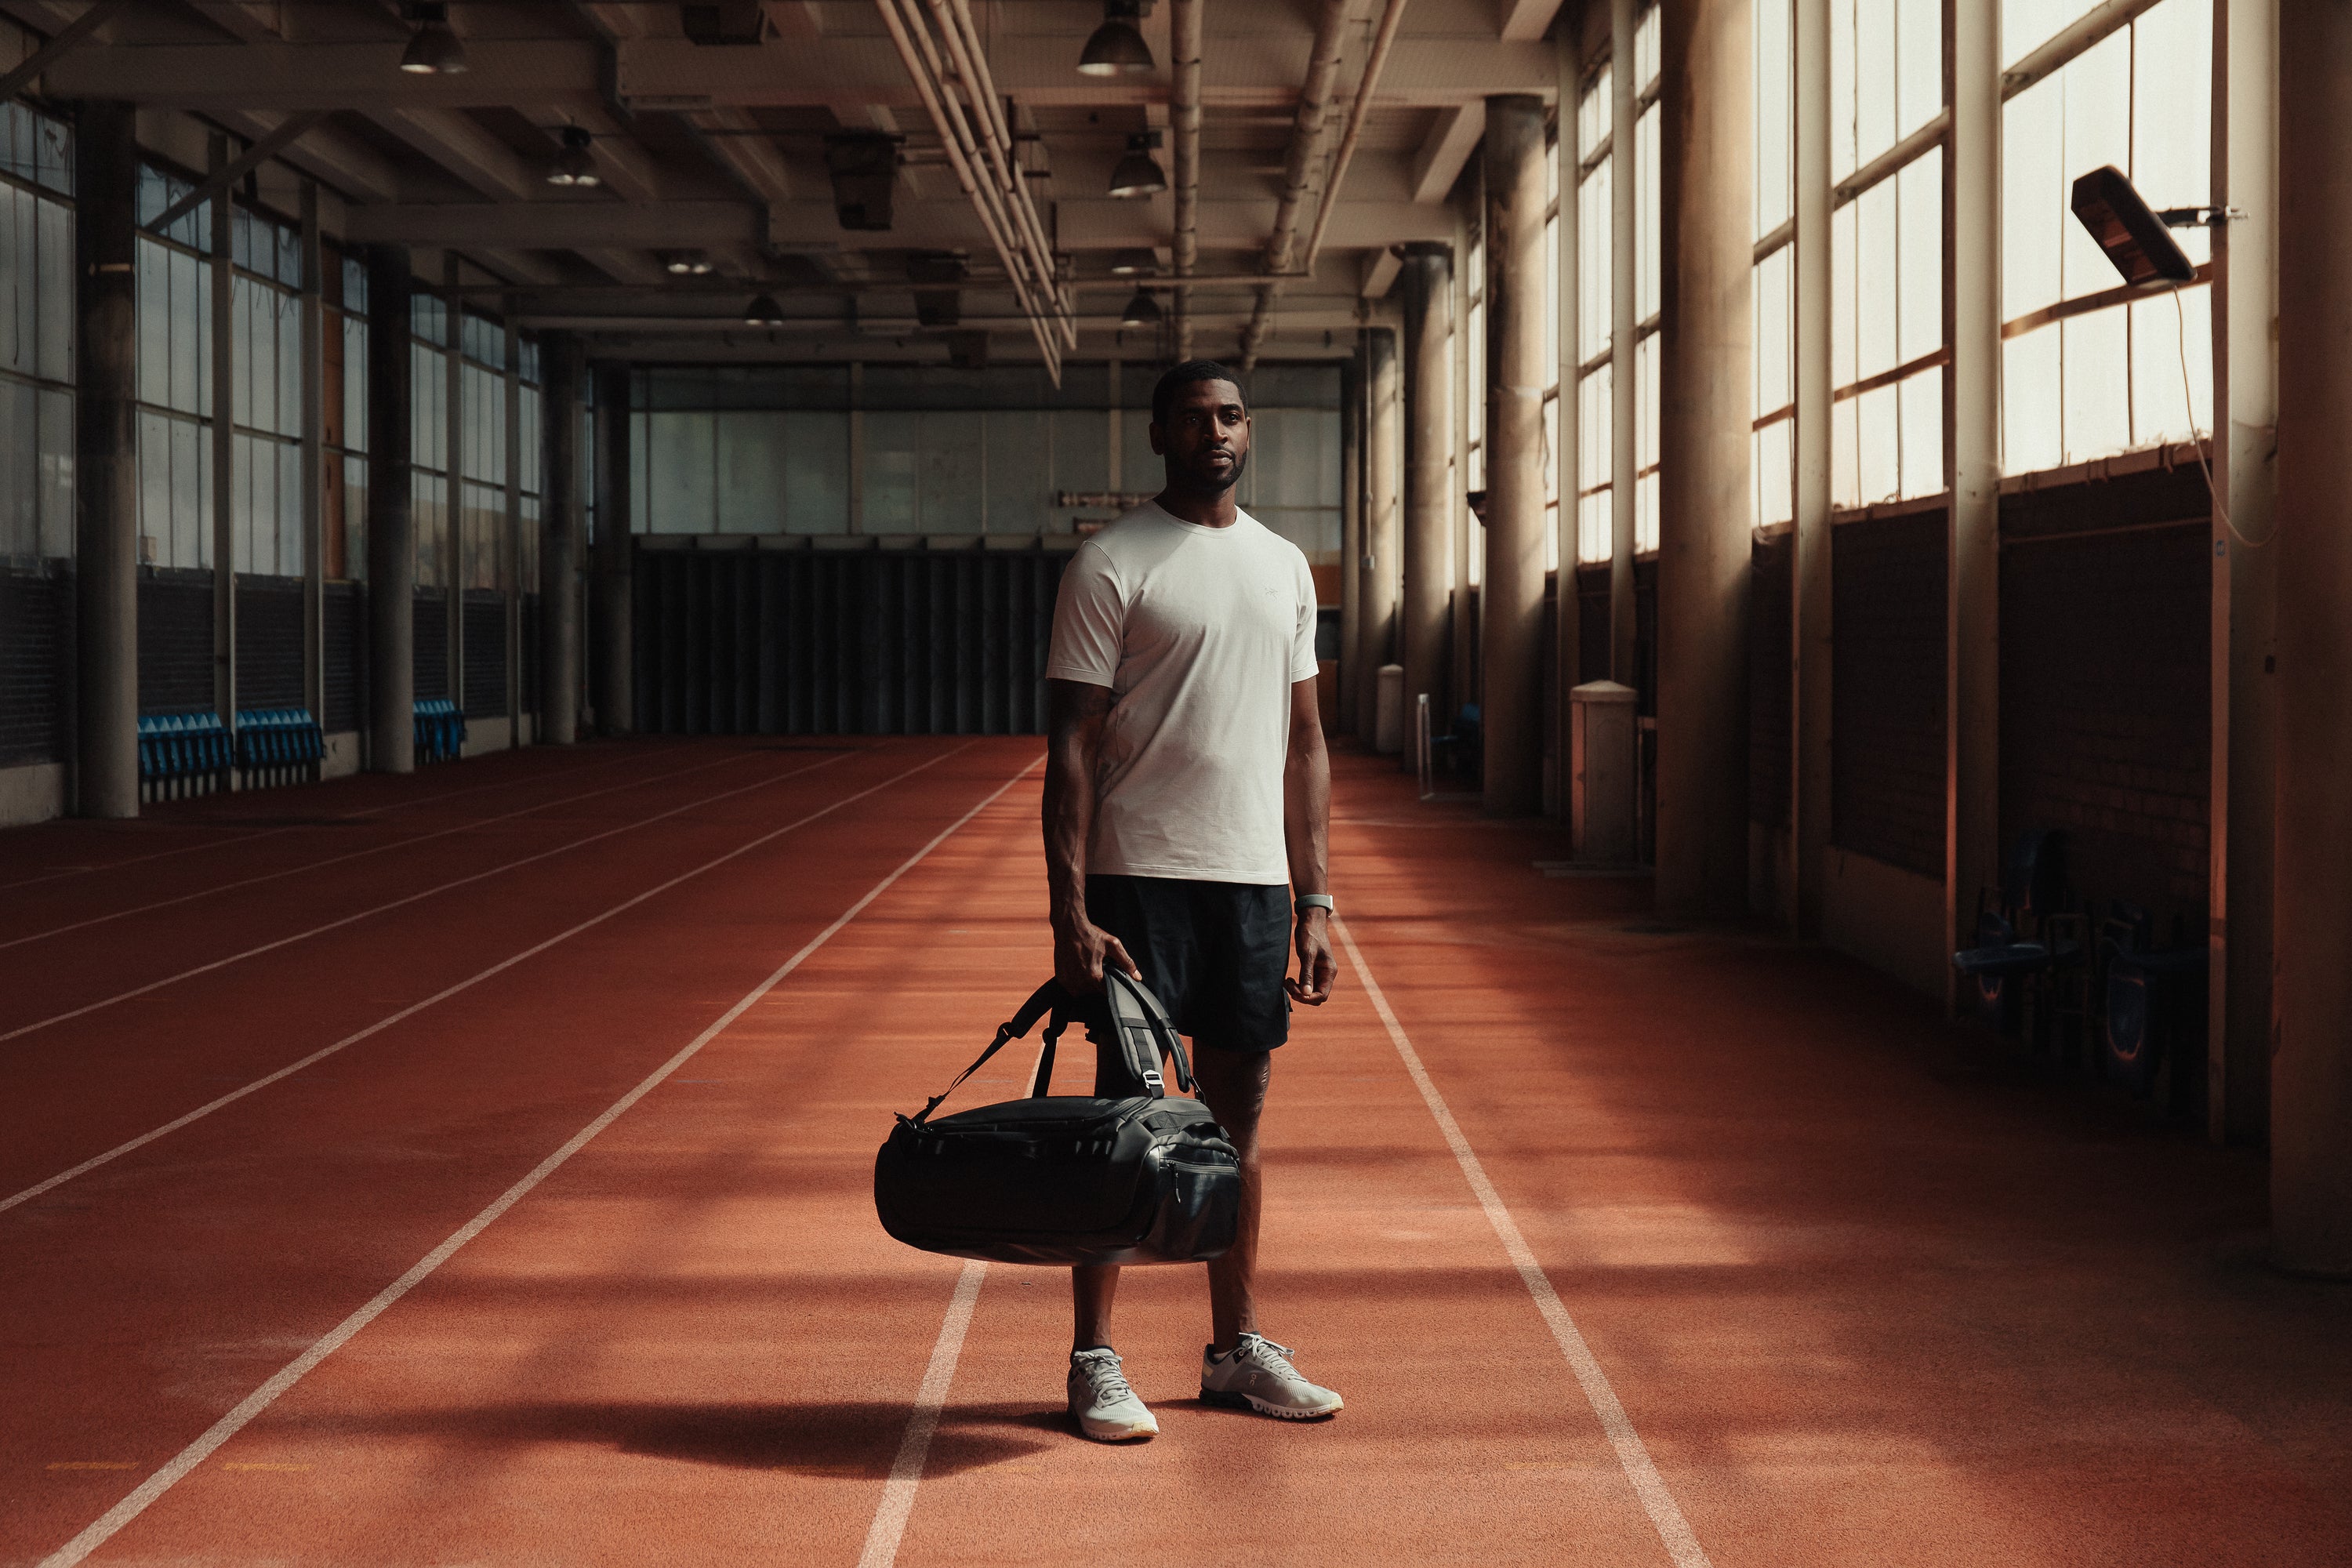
x=1886, y=703
x=2105, y=715
x=1772, y=706
x=175, y=641
x=36, y=646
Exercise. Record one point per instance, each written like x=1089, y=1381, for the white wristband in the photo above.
x=1306, y=901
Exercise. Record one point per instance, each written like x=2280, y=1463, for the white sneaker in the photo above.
x=1257, y=1374
x=1106, y=1407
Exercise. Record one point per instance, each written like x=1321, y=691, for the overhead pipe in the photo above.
x=925, y=69
x=1184, y=121
x=1382, y=41
x=1305, y=141
x=980, y=85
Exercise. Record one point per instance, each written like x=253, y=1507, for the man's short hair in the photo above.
x=1163, y=396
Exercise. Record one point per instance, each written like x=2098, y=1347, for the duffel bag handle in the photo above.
x=1140, y=1029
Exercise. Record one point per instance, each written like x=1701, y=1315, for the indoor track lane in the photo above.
x=146, y=1297
x=72, y=1087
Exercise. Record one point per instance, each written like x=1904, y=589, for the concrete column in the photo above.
x=453, y=485
x=611, y=667
x=1705, y=396
x=1510, y=594
x=1811, y=629
x=560, y=538
x=1426, y=553
x=2311, y=1059
x=1383, y=437
x=106, y=453
x=2244, y=590
x=1351, y=542
x=391, y=522
x=1568, y=671
x=510, y=545
x=1624, y=326
x=1972, y=405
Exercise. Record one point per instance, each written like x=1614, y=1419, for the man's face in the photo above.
x=1206, y=439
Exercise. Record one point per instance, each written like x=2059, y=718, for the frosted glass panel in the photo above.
x=1020, y=470
x=1919, y=198
x=2172, y=122
x=1081, y=449
x=1774, y=125
x=2034, y=196
x=1593, y=262
x=1775, y=476
x=753, y=475
x=817, y=468
x=1876, y=280
x=954, y=473
x=2098, y=132
x=2166, y=332
x=2097, y=386
x=1880, y=446
x=680, y=467
x=1921, y=400
x=892, y=486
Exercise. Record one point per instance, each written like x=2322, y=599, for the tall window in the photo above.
x=482, y=429
x=1772, y=453
x=1552, y=303
x=2088, y=367
x=37, y=316
x=1594, y=393
x=428, y=450
x=532, y=463
x=1648, y=240
x=266, y=395
x=175, y=382
x=344, y=395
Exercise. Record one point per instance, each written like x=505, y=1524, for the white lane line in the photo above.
x=109, y=1523
x=362, y=854
x=907, y=1472
x=274, y=832
x=1632, y=1457
x=273, y=946
x=897, y=1504
x=233, y=1096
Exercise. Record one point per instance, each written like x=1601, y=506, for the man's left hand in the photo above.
x=1317, y=970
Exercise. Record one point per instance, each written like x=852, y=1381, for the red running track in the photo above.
x=1854, y=1293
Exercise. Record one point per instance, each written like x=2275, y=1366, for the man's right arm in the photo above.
x=1076, y=711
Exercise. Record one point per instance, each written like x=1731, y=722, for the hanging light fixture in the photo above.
x=433, y=50
x=1139, y=173
x=1117, y=48
x=1133, y=262
x=1142, y=311
x=573, y=165
x=764, y=311
x=686, y=263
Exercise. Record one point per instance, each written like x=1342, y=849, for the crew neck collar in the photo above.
x=1240, y=517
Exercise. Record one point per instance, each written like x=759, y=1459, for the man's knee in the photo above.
x=1233, y=1085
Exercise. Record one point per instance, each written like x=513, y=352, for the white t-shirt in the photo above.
x=1199, y=633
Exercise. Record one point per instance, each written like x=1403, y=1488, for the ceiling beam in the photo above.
x=1523, y=20
x=339, y=161
x=1441, y=159
x=477, y=159
x=671, y=74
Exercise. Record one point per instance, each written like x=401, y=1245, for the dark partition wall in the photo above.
x=35, y=632
x=343, y=628
x=486, y=653
x=175, y=641
x=1886, y=701
x=1771, y=704
x=844, y=642
x=270, y=642
x=429, y=662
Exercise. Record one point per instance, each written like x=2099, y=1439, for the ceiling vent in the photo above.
x=865, y=169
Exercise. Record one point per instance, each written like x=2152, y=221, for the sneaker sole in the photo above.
x=1252, y=1402
x=1115, y=1434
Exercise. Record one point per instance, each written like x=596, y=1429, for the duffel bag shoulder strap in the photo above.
x=1040, y=1002
x=1145, y=1034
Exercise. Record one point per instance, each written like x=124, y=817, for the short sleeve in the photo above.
x=1090, y=621
x=1302, y=664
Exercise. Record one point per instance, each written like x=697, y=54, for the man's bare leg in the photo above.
x=1092, y=1287
x=1233, y=1085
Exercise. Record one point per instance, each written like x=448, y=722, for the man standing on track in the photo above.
x=1187, y=798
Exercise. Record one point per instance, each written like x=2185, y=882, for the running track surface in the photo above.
x=1861, y=1295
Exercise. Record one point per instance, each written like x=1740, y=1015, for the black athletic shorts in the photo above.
x=1216, y=953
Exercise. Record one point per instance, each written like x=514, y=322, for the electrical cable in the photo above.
x=2189, y=403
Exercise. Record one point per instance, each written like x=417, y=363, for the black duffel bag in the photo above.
x=1127, y=1174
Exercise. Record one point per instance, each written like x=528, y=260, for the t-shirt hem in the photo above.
x=1086, y=676
x=1250, y=875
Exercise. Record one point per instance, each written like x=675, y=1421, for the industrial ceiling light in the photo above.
x=1142, y=311
x=764, y=311
x=2133, y=236
x=1133, y=262
x=433, y=50
x=1139, y=173
x=1117, y=48
x=686, y=263
x=573, y=165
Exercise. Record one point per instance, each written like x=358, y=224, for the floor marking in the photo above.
x=323, y=1052
x=263, y=1466
x=110, y=1523
x=897, y=1504
x=94, y=1465
x=1632, y=1457
x=361, y=854
x=274, y=832
x=907, y=1473
x=138, y=991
